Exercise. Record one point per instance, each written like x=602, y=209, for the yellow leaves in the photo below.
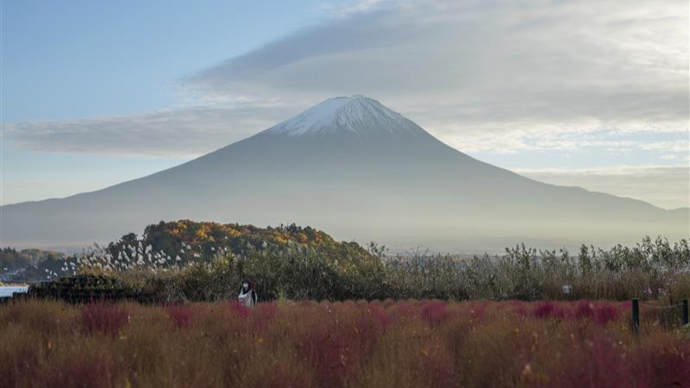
x=201, y=235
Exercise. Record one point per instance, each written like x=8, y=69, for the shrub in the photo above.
x=105, y=317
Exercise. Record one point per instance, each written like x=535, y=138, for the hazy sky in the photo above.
x=588, y=93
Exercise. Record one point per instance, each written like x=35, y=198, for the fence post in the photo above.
x=635, y=316
x=685, y=311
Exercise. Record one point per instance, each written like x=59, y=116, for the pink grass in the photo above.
x=310, y=344
x=105, y=317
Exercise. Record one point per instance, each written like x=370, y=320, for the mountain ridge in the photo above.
x=358, y=171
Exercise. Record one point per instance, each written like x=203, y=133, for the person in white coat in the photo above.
x=248, y=296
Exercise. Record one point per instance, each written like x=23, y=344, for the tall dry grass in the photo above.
x=650, y=270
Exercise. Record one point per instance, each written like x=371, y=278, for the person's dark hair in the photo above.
x=251, y=284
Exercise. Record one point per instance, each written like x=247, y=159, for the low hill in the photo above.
x=178, y=244
x=186, y=241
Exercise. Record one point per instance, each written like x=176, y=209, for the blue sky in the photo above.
x=73, y=59
x=571, y=92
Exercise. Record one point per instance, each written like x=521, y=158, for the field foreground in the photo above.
x=349, y=344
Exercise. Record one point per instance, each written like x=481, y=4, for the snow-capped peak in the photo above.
x=355, y=114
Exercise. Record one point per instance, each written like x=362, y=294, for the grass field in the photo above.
x=349, y=344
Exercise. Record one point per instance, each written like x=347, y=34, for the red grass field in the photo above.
x=351, y=344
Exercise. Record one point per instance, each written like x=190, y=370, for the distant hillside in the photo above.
x=12, y=259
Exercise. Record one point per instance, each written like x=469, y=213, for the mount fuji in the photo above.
x=358, y=170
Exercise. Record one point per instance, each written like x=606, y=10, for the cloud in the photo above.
x=181, y=132
x=668, y=146
x=499, y=65
x=346, y=8
x=512, y=142
x=666, y=187
x=499, y=76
